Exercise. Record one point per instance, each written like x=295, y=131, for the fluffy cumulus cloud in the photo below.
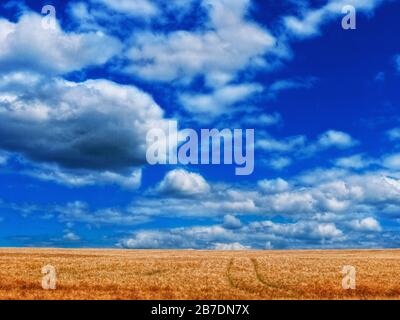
x=296, y=231
x=27, y=46
x=392, y=161
x=136, y=8
x=278, y=163
x=227, y=44
x=290, y=84
x=264, y=234
x=182, y=183
x=367, y=224
x=183, y=238
x=333, y=138
x=274, y=186
x=182, y=202
x=218, y=102
x=230, y=246
x=95, y=125
x=94, y=15
x=393, y=182
x=312, y=19
x=368, y=192
x=70, y=236
x=357, y=161
x=79, y=178
x=87, y=133
x=342, y=210
x=80, y=212
x=280, y=151
x=263, y=120
x=351, y=200
x=3, y=159
x=269, y=143
x=231, y=222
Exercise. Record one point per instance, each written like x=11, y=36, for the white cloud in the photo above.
x=357, y=161
x=96, y=12
x=179, y=238
x=301, y=148
x=70, y=236
x=321, y=175
x=136, y=8
x=182, y=183
x=279, y=163
x=260, y=234
x=3, y=160
x=274, y=186
x=80, y=212
x=369, y=192
x=226, y=45
x=262, y=120
x=392, y=161
x=79, y=178
x=311, y=230
x=221, y=200
x=308, y=26
x=290, y=202
x=300, y=231
x=231, y=222
x=288, y=84
x=395, y=183
x=366, y=224
x=230, y=246
x=152, y=240
x=91, y=131
x=283, y=145
x=334, y=191
x=27, y=46
x=333, y=138
x=327, y=230
x=87, y=18
x=219, y=101
x=335, y=211
x=312, y=19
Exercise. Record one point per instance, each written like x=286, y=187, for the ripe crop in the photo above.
x=151, y=274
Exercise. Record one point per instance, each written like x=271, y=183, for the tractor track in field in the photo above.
x=260, y=279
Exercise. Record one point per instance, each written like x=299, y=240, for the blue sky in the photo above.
x=77, y=101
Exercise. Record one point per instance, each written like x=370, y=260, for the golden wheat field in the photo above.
x=149, y=274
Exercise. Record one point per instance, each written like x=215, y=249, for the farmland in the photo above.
x=151, y=274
